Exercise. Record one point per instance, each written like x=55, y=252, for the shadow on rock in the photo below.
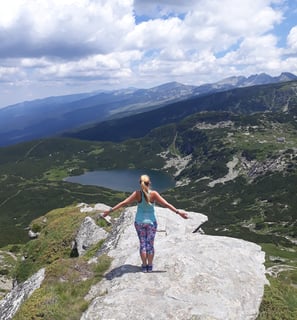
x=119, y=271
x=126, y=268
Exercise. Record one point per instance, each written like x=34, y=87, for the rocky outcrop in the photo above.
x=6, y=280
x=195, y=276
x=88, y=234
x=13, y=300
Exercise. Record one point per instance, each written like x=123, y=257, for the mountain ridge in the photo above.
x=278, y=97
x=53, y=115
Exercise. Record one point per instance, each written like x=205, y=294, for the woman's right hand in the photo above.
x=183, y=214
x=105, y=213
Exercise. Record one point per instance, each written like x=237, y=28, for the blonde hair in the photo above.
x=145, y=186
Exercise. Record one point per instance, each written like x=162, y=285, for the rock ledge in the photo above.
x=195, y=276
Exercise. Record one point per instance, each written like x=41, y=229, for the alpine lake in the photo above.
x=126, y=180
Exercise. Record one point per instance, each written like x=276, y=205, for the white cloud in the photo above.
x=9, y=12
x=292, y=39
x=253, y=50
x=94, y=67
x=155, y=34
x=8, y=73
x=55, y=45
x=64, y=28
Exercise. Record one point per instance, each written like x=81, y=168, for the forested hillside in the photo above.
x=280, y=97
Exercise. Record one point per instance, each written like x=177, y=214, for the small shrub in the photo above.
x=15, y=248
x=36, y=227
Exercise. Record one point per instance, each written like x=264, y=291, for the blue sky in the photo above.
x=58, y=47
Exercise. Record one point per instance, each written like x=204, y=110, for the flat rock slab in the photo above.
x=195, y=276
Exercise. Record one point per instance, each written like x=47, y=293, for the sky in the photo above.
x=60, y=47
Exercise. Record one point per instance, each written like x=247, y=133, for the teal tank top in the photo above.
x=145, y=211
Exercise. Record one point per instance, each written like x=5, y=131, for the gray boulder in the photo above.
x=88, y=234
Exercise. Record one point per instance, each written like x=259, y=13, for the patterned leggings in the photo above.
x=146, y=233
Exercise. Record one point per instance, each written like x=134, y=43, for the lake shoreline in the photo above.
x=125, y=180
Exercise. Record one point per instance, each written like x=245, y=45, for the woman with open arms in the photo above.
x=145, y=219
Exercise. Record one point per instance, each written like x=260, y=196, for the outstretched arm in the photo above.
x=132, y=198
x=155, y=196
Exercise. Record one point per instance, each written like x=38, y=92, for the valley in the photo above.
x=238, y=168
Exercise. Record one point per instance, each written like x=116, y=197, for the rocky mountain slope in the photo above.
x=195, y=275
x=53, y=115
x=280, y=98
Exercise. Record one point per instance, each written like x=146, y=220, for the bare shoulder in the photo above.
x=131, y=197
x=154, y=195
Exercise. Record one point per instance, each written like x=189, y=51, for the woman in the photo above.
x=145, y=219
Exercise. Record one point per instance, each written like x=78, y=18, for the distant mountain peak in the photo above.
x=254, y=79
x=53, y=115
x=287, y=76
x=170, y=85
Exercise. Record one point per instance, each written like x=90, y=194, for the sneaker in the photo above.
x=144, y=268
x=149, y=268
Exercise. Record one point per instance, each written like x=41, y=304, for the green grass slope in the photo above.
x=68, y=277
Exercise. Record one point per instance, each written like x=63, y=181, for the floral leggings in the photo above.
x=146, y=233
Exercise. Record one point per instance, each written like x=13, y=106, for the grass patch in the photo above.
x=93, y=249
x=280, y=297
x=61, y=295
x=56, y=174
x=279, y=301
x=96, y=151
x=57, y=231
x=274, y=252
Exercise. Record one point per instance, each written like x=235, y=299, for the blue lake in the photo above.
x=124, y=180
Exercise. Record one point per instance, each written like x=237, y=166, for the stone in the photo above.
x=88, y=234
x=14, y=299
x=84, y=207
x=32, y=234
x=195, y=276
